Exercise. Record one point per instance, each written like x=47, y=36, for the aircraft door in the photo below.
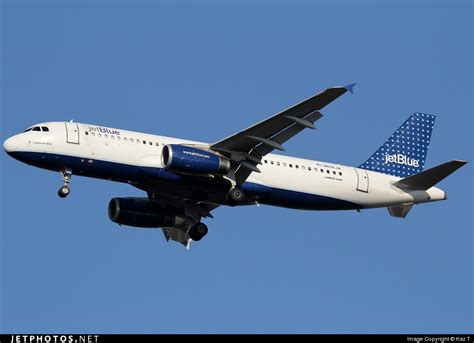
x=72, y=133
x=362, y=180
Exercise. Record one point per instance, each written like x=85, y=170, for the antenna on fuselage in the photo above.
x=71, y=120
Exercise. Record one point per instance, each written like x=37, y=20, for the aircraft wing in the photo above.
x=246, y=148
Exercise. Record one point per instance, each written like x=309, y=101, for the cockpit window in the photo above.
x=37, y=128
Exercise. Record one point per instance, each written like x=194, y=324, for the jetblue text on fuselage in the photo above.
x=103, y=130
x=401, y=159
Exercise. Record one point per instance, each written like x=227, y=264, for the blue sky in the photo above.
x=203, y=70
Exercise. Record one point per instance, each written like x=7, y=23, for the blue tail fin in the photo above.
x=404, y=153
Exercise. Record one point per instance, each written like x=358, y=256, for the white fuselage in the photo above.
x=91, y=146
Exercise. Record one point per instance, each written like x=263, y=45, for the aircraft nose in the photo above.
x=10, y=145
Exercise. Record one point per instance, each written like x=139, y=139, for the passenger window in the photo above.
x=284, y=164
x=291, y=166
x=106, y=135
x=93, y=133
x=124, y=139
x=157, y=144
x=328, y=171
x=144, y=142
x=99, y=135
x=118, y=138
x=36, y=128
x=271, y=162
x=44, y=128
x=265, y=161
x=131, y=140
x=278, y=163
x=340, y=173
x=137, y=140
x=87, y=133
x=334, y=172
x=112, y=136
x=309, y=168
x=302, y=167
x=296, y=166
x=151, y=143
x=322, y=171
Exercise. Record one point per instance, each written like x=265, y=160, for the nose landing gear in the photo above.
x=65, y=190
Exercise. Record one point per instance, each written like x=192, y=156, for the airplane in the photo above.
x=186, y=180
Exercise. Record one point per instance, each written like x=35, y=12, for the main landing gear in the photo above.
x=197, y=231
x=65, y=190
x=236, y=195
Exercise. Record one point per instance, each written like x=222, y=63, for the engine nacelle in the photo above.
x=140, y=212
x=184, y=159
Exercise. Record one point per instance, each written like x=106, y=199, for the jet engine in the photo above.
x=140, y=212
x=189, y=160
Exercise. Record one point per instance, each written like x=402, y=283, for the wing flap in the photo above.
x=177, y=235
x=243, y=172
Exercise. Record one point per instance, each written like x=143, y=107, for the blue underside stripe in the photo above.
x=124, y=173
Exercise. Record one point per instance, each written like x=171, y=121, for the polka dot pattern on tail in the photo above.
x=404, y=153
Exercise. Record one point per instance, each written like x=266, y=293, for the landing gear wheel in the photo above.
x=236, y=194
x=64, y=191
x=198, y=231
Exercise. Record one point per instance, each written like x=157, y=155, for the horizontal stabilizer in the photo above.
x=400, y=211
x=430, y=177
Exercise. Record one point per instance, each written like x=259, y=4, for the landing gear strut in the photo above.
x=65, y=190
x=197, y=231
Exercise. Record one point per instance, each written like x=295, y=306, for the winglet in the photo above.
x=350, y=88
